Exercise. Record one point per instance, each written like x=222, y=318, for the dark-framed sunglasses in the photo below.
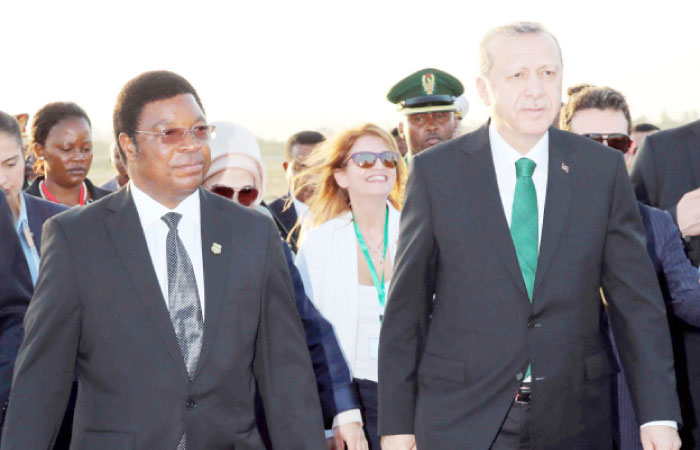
x=365, y=160
x=245, y=195
x=175, y=135
x=618, y=141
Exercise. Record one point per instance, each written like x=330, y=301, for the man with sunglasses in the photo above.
x=427, y=99
x=602, y=114
x=174, y=305
x=518, y=224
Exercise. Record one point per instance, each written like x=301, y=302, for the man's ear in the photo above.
x=399, y=128
x=128, y=147
x=483, y=90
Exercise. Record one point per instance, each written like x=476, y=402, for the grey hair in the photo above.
x=511, y=29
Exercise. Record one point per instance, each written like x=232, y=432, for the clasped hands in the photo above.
x=350, y=434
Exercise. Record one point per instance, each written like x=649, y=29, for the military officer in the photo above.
x=427, y=99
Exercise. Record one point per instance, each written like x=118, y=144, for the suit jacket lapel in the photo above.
x=482, y=191
x=216, y=229
x=130, y=244
x=560, y=182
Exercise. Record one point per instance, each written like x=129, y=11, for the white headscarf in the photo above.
x=235, y=146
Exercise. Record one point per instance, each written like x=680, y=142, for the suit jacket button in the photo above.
x=531, y=324
x=191, y=404
x=519, y=376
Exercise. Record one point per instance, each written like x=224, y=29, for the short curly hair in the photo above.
x=138, y=92
x=594, y=97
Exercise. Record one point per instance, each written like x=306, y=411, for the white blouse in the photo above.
x=366, y=357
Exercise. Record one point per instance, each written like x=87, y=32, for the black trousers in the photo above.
x=514, y=433
x=369, y=404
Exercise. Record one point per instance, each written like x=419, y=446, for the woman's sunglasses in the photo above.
x=365, y=160
x=618, y=141
x=245, y=195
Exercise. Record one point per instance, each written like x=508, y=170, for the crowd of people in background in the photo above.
x=415, y=287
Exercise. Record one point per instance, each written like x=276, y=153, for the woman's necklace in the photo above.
x=376, y=252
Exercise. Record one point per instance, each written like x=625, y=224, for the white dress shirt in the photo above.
x=156, y=231
x=504, y=158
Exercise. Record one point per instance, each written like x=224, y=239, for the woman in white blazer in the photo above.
x=346, y=255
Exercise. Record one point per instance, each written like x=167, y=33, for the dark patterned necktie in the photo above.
x=183, y=300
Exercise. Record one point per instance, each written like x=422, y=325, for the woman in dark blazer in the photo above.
x=62, y=144
x=28, y=216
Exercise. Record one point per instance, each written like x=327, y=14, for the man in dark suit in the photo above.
x=519, y=224
x=602, y=113
x=296, y=150
x=173, y=304
x=15, y=292
x=666, y=174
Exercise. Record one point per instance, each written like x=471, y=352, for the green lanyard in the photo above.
x=372, y=271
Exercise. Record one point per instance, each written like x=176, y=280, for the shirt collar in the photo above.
x=23, y=218
x=505, y=156
x=150, y=211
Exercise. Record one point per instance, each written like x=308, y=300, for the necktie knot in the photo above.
x=171, y=220
x=524, y=167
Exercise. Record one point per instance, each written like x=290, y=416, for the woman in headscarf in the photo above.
x=237, y=170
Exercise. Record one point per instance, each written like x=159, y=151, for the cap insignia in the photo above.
x=428, y=82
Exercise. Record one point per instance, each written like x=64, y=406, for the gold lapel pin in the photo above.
x=564, y=167
x=216, y=248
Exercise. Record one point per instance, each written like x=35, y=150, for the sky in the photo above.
x=277, y=67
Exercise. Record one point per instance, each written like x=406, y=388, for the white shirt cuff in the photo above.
x=345, y=417
x=665, y=423
x=349, y=416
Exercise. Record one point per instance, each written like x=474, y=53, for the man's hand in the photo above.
x=660, y=437
x=688, y=213
x=399, y=442
x=350, y=434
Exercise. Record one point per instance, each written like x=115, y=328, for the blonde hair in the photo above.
x=329, y=200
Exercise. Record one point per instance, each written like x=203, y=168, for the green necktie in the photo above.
x=524, y=225
x=524, y=222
